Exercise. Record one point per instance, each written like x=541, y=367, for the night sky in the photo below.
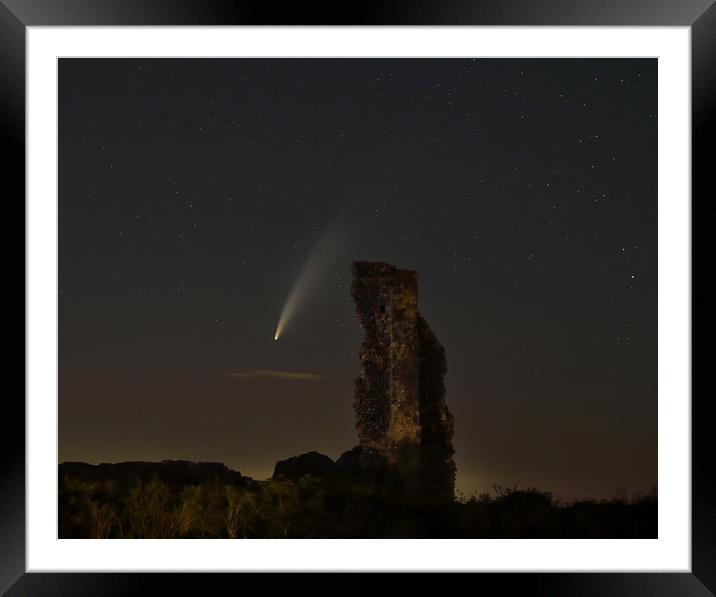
x=524, y=192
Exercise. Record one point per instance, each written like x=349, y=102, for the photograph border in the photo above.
x=16, y=15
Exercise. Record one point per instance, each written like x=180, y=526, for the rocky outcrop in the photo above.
x=399, y=400
x=311, y=463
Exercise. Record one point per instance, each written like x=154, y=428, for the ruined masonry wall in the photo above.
x=400, y=394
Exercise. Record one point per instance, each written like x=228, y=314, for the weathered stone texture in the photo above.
x=436, y=422
x=400, y=395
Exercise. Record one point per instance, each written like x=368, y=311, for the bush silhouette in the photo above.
x=114, y=501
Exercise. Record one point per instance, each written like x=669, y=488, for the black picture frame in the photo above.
x=17, y=15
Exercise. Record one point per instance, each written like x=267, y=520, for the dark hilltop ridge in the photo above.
x=175, y=474
x=398, y=482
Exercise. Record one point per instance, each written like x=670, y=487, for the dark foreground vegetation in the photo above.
x=176, y=499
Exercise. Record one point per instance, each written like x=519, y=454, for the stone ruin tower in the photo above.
x=400, y=393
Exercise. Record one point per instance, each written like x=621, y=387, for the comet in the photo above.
x=324, y=253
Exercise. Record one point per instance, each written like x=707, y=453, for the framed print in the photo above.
x=405, y=293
